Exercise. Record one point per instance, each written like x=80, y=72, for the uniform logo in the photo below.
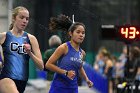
x=24, y=37
x=81, y=55
x=15, y=47
x=77, y=59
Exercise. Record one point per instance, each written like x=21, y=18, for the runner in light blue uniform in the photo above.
x=16, y=61
x=18, y=47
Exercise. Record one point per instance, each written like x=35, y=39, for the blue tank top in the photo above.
x=16, y=60
x=71, y=61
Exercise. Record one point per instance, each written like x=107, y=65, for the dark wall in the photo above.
x=93, y=13
x=43, y=11
x=115, y=12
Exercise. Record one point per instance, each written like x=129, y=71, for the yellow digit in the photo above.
x=124, y=32
x=132, y=33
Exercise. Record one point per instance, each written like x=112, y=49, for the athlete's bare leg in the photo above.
x=8, y=86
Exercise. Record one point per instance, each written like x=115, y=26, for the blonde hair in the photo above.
x=15, y=13
x=54, y=40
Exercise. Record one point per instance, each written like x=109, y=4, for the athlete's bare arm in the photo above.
x=2, y=37
x=35, y=54
x=61, y=50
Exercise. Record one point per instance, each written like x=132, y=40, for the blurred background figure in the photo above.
x=132, y=64
x=108, y=70
x=99, y=62
x=122, y=60
x=54, y=42
x=123, y=56
x=132, y=67
x=118, y=69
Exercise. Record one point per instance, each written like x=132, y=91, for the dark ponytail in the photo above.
x=61, y=22
x=64, y=24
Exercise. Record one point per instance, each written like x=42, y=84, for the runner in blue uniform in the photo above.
x=68, y=56
x=18, y=47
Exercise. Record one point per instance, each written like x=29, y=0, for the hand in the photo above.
x=71, y=74
x=27, y=47
x=90, y=83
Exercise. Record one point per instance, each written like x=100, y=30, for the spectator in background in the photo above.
x=99, y=63
x=120, y=65
x=123, y=57
x=108, y=69
x=54, y=42
x=132, y=67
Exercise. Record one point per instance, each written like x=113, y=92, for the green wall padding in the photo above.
x=32, y=70
x=90, y=57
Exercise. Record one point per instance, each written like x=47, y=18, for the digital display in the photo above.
x=125, y=33
x=129, y=33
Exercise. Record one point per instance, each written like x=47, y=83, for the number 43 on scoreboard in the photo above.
x=129, y=32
